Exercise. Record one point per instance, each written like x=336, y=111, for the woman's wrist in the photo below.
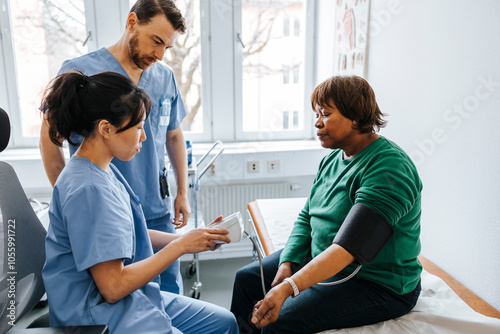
x=288, y=265
x=295, y=289
x=286, y=289
x=178, y=245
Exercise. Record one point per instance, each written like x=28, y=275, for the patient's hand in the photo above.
x=284, y=271
x=267, y=310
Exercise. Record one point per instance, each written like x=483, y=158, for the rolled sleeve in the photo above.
x=390, y=187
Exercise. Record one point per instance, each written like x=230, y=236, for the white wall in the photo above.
x=435, y=68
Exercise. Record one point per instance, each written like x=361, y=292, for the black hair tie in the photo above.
x=84, y=82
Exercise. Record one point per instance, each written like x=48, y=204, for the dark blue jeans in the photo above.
x=356, y=302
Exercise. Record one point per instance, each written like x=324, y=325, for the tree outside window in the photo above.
x=44, y=34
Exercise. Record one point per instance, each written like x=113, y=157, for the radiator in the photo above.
x=216, y=200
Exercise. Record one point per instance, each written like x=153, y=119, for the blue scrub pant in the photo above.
x=354, y=303
x=171, y=279
x=192, y=316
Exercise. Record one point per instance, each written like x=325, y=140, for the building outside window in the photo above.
x=266, y=89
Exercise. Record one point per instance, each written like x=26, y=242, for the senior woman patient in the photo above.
x=364, y=171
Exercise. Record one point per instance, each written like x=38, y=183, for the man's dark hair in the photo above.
x=147, y=9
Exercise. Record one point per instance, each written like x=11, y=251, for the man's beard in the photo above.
x=133, y=46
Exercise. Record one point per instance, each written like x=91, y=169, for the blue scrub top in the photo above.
x=167, y=112
x=95, y=217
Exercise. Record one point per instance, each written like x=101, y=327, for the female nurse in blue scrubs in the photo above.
x=100, y=266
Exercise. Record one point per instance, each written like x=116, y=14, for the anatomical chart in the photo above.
x=351, y=34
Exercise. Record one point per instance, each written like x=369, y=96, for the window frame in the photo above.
x=206, y=73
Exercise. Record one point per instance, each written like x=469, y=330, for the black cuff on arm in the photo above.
x=364, y=233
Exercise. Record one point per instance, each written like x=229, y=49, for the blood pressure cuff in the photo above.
x=364, y=233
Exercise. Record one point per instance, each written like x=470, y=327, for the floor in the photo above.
x=217, y=278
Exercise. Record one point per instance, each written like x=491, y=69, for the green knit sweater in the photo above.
x=383, y=177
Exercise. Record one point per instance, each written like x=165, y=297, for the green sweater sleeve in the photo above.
x=390, y=186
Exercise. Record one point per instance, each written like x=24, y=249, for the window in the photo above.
x=290, y=123
x=266, y=86
x=236, y=70
x=296, y=27
x=285, y=119
x=286, y=26
x=296, y=73
x=185, y=60
x=286, y=76
x=287, y=21
x=41, y=34
x=295, y=120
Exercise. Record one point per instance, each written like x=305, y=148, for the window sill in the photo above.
x=259, y=147
x=30, y=154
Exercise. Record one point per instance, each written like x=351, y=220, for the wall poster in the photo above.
x=351, y=36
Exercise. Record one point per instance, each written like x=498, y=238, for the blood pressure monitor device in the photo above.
x=234, y=224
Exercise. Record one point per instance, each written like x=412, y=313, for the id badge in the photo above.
x=165, y=108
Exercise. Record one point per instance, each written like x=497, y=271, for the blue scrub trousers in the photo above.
x=171, y=279
x=357, y=302
x=192, y=316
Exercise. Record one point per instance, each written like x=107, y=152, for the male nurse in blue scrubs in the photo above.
x=152, y=27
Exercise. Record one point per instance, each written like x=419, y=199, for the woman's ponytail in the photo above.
x=75, y=103
x=64, y=107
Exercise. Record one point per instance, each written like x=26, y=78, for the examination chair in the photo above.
x=22, y=254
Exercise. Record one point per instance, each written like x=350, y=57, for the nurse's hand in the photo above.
x=182, y=211
x=268, y=309
x=202, y=239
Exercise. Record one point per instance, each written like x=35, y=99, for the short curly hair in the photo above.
x=354, y=98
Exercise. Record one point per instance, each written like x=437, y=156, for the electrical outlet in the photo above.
x=273, y=166
x=253, y=166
